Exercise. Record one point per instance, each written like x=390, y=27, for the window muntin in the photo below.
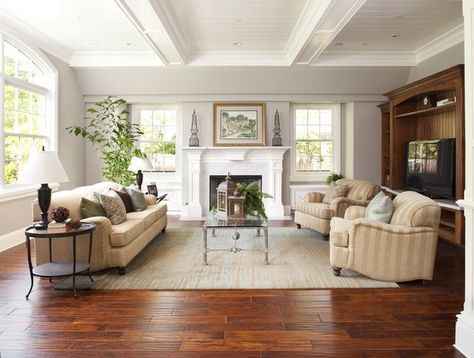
x=314, y=140
x=27, y=111
x=159, y=139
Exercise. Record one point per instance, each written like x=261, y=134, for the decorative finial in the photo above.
x=276, y=140
x=194, y=140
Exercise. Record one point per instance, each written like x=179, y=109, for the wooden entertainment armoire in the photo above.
x=413, y=113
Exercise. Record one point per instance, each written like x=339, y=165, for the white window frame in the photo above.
x=50, y=91
x=162, y=176
x=336, y=140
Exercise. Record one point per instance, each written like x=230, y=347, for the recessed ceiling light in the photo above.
x=394, y=35
x=364, y=44
x=398, y=17
x=237, y=43
x=74, y=17
x=338, y=43
x=128, y=44
x=239, y=21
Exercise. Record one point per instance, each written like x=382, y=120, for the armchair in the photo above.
x=312, y=213
x=403, y=250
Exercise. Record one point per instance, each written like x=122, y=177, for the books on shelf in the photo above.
x=446, y=101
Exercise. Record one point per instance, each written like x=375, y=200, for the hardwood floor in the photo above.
x=411, y=321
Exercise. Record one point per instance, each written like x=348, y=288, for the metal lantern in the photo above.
x=224, y=191
x=236, y=207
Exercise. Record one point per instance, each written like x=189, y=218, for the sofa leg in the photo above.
x=121, y=271
x=336, y=271
x=298, y=226
x=325, y=237
x=164, y=229
x=426, y=282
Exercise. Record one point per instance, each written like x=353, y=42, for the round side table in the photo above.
x=59, y=269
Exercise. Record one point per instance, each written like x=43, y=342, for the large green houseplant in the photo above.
x=253, y=198
x=113, y=137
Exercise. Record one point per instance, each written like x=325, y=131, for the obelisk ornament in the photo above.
x=276, y=140
x=194, y=140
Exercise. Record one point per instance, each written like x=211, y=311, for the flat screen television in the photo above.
x=430, y=167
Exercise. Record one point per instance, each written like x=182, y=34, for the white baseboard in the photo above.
x=11, y=239
x=465, y=334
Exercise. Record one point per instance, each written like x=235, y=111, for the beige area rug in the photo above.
x=298, y=259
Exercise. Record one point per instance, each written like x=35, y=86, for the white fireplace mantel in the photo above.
x=202, y=162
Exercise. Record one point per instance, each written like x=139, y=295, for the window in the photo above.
x=315, y=141
x=160, y=126
x=28, y=115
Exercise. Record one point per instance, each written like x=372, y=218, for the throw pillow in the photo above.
x=335, y=191
x=138, y=199
x=127, y=201
x=90, y=208
x=380, y=208
x=113, y=207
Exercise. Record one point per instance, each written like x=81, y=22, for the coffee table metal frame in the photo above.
x=59, y=269
x=214, y=223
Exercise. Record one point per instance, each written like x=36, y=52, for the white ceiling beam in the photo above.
x=440, y=43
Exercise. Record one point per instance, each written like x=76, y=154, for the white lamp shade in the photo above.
x=139, y=164
x=43, y=168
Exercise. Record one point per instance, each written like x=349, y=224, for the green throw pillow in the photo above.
x=380, y=208
x=138, y=199
x=90, y=208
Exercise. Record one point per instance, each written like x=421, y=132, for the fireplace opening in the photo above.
x=215, y=180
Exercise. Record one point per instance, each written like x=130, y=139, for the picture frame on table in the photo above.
x=239, y=124
x=152, y=189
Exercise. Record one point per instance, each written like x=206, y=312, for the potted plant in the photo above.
x=333, y=177
x=113, y=136
x=253, y=198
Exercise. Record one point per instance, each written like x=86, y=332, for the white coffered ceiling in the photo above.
x=237, y=32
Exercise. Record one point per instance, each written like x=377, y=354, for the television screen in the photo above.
x=430, y=167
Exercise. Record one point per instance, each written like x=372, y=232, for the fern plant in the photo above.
x=253, y=198
x=113, y=136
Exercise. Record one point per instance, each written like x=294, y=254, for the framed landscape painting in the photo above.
x=239, y=124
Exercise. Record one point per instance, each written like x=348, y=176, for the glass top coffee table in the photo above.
x=251, y=222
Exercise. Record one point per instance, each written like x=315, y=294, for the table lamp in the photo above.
x=43, y=168
x=137, y=165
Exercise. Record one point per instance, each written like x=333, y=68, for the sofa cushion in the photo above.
x=380, y=208
x=124, y=233
x=113, y=207
x=90, y=207
x=126, y=199
x=138, y=199
x=148, y=216
x=319, y=210
x=335, y=191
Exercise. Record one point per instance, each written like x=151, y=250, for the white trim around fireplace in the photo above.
x=201, y=162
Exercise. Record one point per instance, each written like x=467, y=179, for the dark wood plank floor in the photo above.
x=412, y=321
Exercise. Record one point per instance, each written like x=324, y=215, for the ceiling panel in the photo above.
x=412, y=23
x=254, y=25
x=81, y=25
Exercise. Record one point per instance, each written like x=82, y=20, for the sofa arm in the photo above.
x=100, y=242
x=389, y=228
x=313, y=197
x=340, y=205
x=150, y=199
x=354, y=212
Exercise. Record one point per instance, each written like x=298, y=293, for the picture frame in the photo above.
x=152, y=189
x=239, y=124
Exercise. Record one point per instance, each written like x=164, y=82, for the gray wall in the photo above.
x=16, y=213
x=451, y=57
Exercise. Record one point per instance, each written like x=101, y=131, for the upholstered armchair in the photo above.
x=312, y=213
x=402, y=250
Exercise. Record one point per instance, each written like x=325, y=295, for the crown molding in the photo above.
x=440, y=43
x=115, y=59
x=366, y=58
x=16, y=27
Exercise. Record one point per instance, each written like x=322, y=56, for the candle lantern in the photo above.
x=236, y=207
x=224, y=191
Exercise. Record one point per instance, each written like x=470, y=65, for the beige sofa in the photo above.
x=403, y=250
x=312, y=213
x=112, y=245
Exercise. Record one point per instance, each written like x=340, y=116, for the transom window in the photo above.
x=27, y=116
x=315, y=138
x=158, y=142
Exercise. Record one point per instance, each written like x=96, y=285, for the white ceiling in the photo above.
x=237, y=32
